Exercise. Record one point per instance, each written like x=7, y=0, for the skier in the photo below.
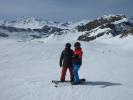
x=66, y=59
x=77, y=61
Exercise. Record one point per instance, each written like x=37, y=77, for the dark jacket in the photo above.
x=77, y=57
x=66, y=58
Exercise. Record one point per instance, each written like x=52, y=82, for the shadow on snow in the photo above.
x=103, y=84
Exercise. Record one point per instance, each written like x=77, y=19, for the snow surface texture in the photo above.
x=27, y=69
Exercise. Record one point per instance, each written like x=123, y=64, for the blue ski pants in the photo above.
x=75, y=72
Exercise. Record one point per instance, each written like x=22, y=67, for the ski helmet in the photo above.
x=68, y=45
x=77, y=44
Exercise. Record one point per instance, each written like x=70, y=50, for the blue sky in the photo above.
x=64, y=10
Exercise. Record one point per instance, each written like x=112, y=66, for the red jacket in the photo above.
x=77, y=59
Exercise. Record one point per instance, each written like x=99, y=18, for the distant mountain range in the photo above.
x=86, y=30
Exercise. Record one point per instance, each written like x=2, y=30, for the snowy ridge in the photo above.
x=34, y=23
x=99, y=30
x=30, y=23
x=85, y=30
x=121, y=21
x=110, y=16
x=80, y=23
x=24, y=22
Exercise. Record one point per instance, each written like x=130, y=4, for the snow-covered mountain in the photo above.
x=34, y=23
x=24, y=22
x=31, y=23
x=85, y=30
x=111, y=25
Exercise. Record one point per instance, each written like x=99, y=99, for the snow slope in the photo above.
x=27, y=68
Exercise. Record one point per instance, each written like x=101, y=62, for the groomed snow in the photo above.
x=27, y=68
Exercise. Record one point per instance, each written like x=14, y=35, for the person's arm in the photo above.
x=80, y=55
x=61, y=58
x=75, y=56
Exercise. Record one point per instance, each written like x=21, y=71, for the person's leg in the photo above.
x=76, y=76
x=71, y=73
x=63, y=73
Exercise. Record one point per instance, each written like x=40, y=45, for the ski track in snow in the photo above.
x=27, y=69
